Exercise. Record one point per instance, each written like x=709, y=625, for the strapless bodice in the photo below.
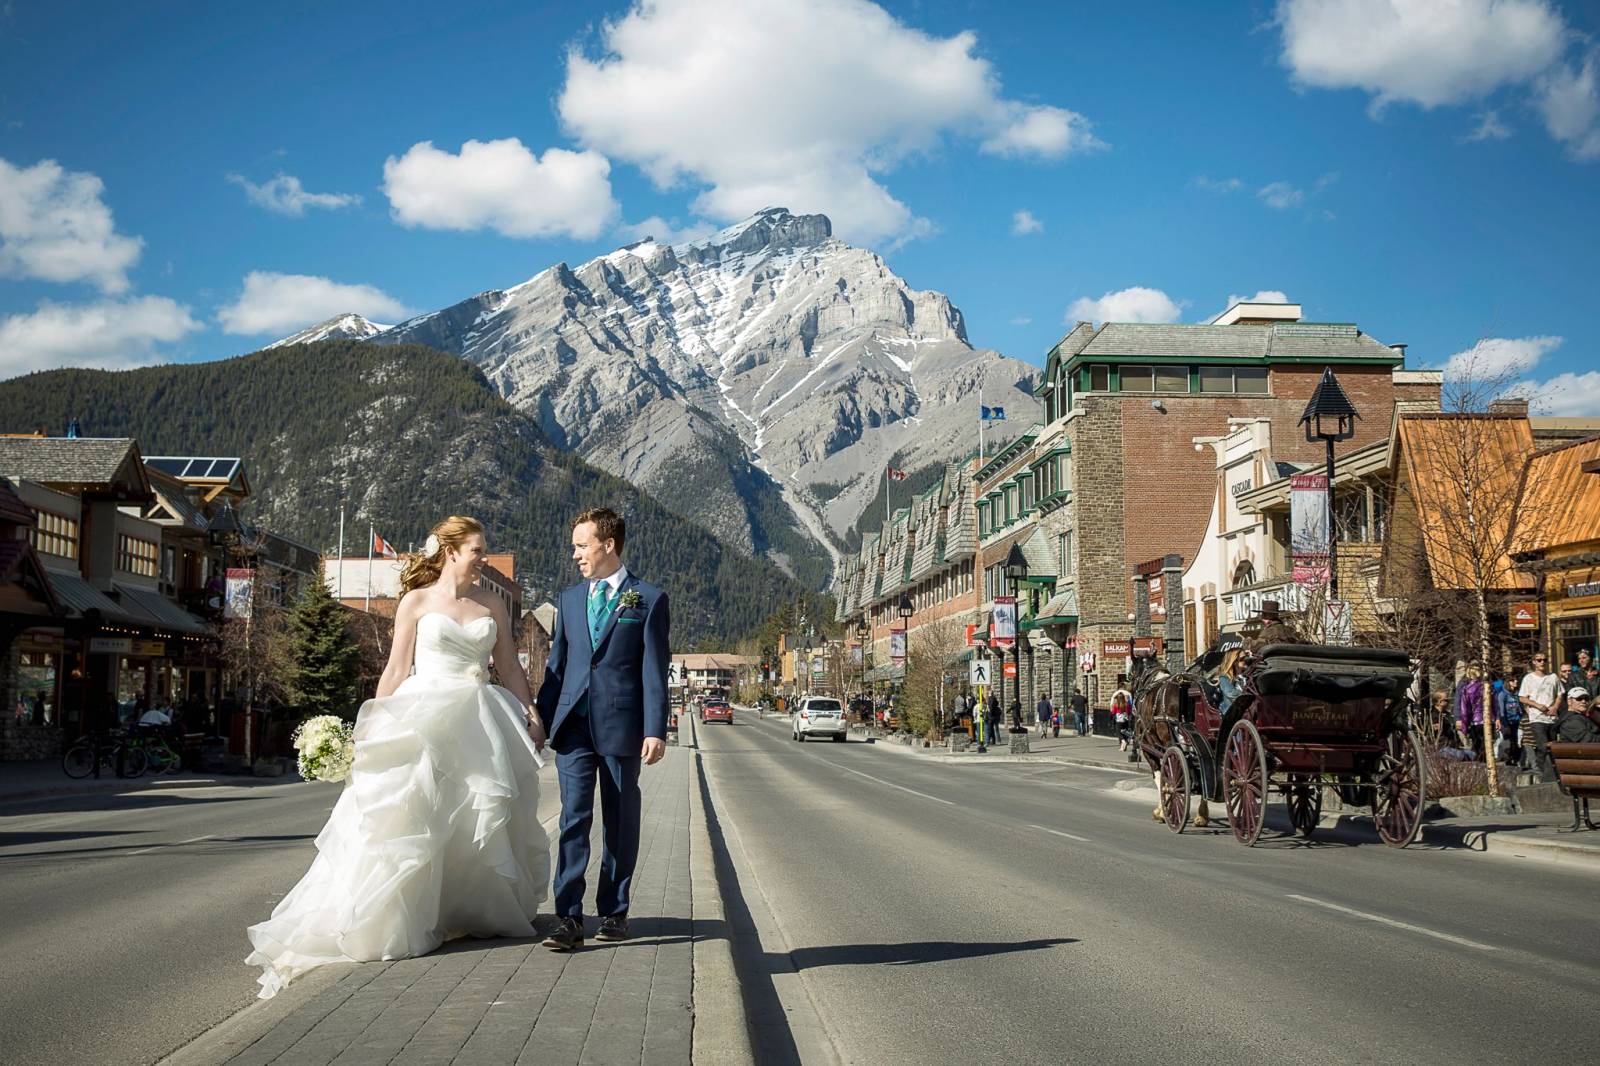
x=446, y=648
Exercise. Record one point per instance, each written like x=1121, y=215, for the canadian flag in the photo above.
x=383, y=549
x=896, y=475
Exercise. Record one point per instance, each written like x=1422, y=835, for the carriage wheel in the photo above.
x=1244, y=782
x=1400, y=789
x=1304, y=796
x=1175, y=789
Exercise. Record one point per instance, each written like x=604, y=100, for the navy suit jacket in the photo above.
x=623, y=674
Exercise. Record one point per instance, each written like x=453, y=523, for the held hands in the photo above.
x=535, y=727
x=654, y=748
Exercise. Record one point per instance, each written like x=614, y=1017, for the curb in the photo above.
x=243, y=1028
x=721, y=1034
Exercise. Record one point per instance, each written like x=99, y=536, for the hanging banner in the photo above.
x=236, y=600
x=1004, y=629
x=897, y=646
x=1308, y=514
x=855, y=655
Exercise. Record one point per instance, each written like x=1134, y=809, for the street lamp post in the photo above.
x=906, y=610
x=862, y=631
x=1329, y=417
x=1016, y=570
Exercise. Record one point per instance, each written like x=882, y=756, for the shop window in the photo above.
x=1573, y=635
x=56, y=535
x=1244, y=575
x=1138, y=379
x=38, y=688
x=1172, y=379
x=1249, y=380
x=1064, y=546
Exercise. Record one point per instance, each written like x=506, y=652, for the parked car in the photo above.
x=716, y=711
x=819, y=716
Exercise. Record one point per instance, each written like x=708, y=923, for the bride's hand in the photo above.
x=535, y=728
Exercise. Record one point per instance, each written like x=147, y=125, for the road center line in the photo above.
x=1407, y=926
x=891, y=784
x=158, y=847
x=1059, y=833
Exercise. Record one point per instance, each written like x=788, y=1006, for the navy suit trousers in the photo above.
x=577, y=767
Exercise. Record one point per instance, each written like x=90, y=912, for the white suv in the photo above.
x=819, y=716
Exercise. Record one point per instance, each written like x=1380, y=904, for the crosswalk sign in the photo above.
x=675, y=675
x=979, y=672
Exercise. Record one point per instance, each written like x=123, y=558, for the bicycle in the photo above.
x=162, y=757
x=96, y=751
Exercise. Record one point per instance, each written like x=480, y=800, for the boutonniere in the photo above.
x=630, y=599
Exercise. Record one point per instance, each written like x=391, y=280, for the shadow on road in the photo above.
x=112, y=801
x=113, y=850
x=916, y=952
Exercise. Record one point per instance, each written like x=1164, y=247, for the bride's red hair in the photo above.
x=423, y=569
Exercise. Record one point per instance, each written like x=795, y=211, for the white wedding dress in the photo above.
x=435, y=835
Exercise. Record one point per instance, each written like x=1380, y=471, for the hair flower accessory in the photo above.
x=430, y=547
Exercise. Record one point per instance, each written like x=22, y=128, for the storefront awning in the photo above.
x=79, y=598
x=158, y=612
x=885, y=673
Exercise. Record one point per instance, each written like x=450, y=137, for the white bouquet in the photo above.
x=326, y=748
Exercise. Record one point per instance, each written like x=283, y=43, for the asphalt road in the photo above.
x=123, y=917
x=894, y=911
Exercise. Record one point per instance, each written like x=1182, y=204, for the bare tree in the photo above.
x=931, y=650
x=1458, y=506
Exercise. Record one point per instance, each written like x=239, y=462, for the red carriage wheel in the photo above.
x=1244, y=782
x=1304, y=796
x=1400, y=789
x=1175, y=789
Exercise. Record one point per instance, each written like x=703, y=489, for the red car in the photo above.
x=716, y=711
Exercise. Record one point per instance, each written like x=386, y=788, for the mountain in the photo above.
x=339, y=327
x=757, y=381
x=405, y=435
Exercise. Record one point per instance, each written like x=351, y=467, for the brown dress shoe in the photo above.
x=613, y=928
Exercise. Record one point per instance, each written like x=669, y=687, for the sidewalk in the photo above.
x=481, y=1002
x=1099, y=753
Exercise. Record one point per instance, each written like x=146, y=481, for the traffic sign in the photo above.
x=1011, y=668
x=979, y=672
x=677, y=676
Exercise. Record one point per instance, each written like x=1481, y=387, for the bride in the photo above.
x=435, y=835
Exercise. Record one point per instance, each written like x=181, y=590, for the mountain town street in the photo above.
x=882, y=908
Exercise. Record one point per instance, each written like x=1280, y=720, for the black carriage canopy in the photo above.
x=1331, y=673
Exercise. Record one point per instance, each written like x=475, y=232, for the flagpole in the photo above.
x=886, y=480
x=980, y=423
x=338, y=575
x=371, y=543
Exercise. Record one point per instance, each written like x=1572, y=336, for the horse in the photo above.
x=1157, y=704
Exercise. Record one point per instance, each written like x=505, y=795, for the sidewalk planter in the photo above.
x=1019, y=743
x=958, y=742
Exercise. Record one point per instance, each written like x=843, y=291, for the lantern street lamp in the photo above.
x=1016, y=570
x=1330, y=416
x=862, y=632
x=905, y=609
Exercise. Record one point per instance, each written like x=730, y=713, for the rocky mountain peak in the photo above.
x=772, y=229
x=340, y=327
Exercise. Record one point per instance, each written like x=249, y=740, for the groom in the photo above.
x=603, y=704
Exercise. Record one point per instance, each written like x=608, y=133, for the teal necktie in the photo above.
x=599, y=609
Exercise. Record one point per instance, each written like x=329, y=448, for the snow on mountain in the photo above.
x=757, y=380
x=338, y=327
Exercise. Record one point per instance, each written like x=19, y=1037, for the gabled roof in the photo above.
x=1334, y=342
x=1561, y=500
x=108, y=464
x=12, y=509
x=1433, y=450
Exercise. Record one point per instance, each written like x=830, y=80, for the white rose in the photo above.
x=477, y=673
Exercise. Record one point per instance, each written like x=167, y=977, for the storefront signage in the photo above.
x=1524, y=616
x=1588, y=588
x=1239, y=488
x=1146, y=647
x=1010, y=668
x=1116, y=647
x=154, y=648
x=974, y=638
x=1158, y=599
x=110, y=646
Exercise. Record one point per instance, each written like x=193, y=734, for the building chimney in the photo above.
x=1399, y=349
x=1516, y=406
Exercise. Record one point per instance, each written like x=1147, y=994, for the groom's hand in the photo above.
x=535, y=729
x=654, y=748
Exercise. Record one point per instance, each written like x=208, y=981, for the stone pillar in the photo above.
x=1172, y=589
x=1141, y=605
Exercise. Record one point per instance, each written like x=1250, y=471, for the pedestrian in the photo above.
x=1539, y=693
x=1043, y=713
x=1080, y=713
x=1469, y=710
x=1587, y=674
x=1508, y=714
x=1122, y=714
x=991, y=717
x=1565, y=677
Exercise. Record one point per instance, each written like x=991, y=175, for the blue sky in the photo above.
x=190, y=181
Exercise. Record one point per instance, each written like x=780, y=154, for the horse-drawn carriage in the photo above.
x=1307, y=716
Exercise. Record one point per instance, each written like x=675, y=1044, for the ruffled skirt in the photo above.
x=435, y=836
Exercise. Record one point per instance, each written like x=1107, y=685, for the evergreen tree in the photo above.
x=326, y=656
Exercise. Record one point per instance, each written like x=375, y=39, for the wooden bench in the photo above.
x=1578, y=770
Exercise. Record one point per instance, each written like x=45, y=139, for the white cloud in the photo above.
x=1023, y=222
x=54, y=226
x=1489, y=128
x=1497, y=357
x=805, y=104
x=1280, y=195
x=1568, y=394
x=1136, y=304
x=285, y=195
x=1426, y=52
x=283, y=303
x=665, y=231
x=109, y=335
x=1022, y=320
x=1223, y=185
x=1569, y=101
x=501, y=185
